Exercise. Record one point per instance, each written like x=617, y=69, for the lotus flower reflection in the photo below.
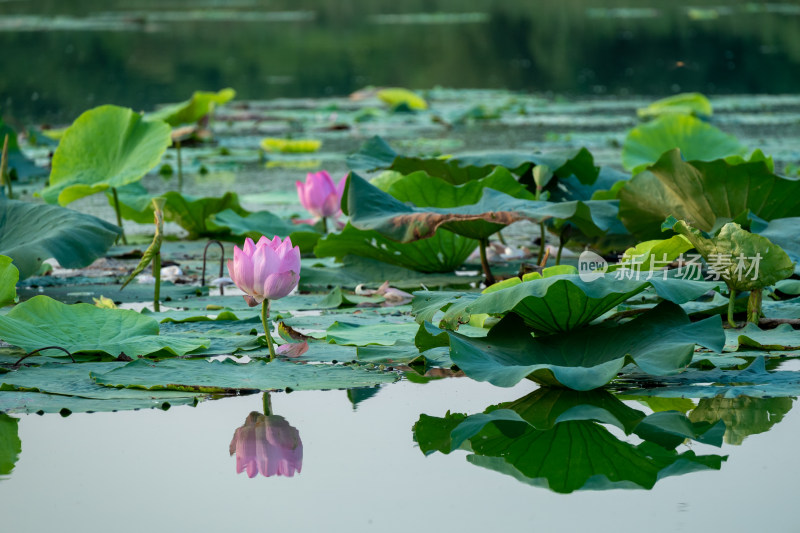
x=267, y=445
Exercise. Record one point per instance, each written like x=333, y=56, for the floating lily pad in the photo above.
x=227, y=376
x=37, y=402
x=754, y=381
x=361, y=335
x=73, y=380
x=42, y=321
x=782, y=338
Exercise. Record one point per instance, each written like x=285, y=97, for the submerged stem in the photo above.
x=157, y=287
x=731, y=303
x=119, y=215
x=487, y=272
x=265, y=323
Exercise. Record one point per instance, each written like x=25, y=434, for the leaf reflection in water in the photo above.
x=558, y=439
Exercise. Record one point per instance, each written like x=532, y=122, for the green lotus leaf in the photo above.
x=9, y=276
x=31, y=233
x=694, y=104
x=189, y=212
x=697, y=140
x=559, y=303
x=704, y=193
x=73, y=380
x=444, y=252
x=37, y=402
x=377, y=154
x=754, y=382
x=660, y=342
x=10, y=445
x=106, y=147
x=192, y=212
x=782, y=338
x=41, y=322
x=192, y=110
x=227, y=376
x=348, y=333
x=372, y=209
x=652, y=255
x=254, y=225
x=784, y=233
x=745, y=261
x=397, y=96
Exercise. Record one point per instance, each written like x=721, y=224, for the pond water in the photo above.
x=362, y=471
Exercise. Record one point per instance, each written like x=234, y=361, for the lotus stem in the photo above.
x=502, y=239
x=487, y=272
x=157, y=288
x=4, y=168
x=119, y=216
x=542, y=239
x=731, y=303
x=265, y=323
x=324, y=225
x=37, y=350
x=561, y=242
x=267, y=401
x=754, y=306
x=180, y=165
x=221, y=264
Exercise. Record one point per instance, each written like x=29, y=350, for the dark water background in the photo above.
x=60, y=58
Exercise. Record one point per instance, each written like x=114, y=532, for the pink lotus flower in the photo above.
x=320, y=195
x=265, y=271
x=267, y=445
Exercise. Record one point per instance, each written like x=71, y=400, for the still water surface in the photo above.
x=361, y=471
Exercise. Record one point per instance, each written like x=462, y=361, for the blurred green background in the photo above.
x=62, y=57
